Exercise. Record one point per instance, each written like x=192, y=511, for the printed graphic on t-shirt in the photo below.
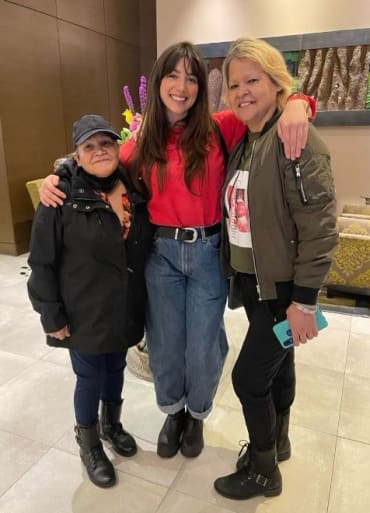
x=237, y=204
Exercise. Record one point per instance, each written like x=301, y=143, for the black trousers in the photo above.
x=98, y=377
x=263, y=376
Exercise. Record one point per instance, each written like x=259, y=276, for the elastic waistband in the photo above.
x=187, y=234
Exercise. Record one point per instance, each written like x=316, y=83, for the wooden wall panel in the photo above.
x=45, y=6
x=30, y=104
x=86, y=13
x=123, y=69
x=84, y=74
x=122, y=20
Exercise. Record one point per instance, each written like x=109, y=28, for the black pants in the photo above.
x=98, y=377
x=263, y=376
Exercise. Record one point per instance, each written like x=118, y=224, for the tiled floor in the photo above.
x=39, y=464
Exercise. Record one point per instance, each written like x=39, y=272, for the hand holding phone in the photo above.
x=283, y=332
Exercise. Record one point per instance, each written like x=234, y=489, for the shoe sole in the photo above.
x=188, y=454
x=163, y=452
x=101, y=485
x=268, y=493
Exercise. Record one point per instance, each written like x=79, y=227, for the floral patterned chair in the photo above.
x=350, y=269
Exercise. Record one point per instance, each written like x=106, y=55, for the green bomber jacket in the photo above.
x=292, y=214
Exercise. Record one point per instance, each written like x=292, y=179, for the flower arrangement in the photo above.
x=132, y=117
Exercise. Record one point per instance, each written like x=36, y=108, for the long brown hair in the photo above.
x=155, y=128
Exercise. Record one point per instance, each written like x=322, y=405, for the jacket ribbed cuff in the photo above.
x=305, y=295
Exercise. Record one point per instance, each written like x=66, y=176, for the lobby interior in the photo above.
x=112, y=42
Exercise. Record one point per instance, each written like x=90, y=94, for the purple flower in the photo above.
x=128, y=98
x=142, y=93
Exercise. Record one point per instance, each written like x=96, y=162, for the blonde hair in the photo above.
x=270, y=60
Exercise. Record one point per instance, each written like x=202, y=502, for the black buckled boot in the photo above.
x=283, y=447
x=192, y=442
x=99, y=469
x=169, y=437
x=111, y=429
x=260, y=476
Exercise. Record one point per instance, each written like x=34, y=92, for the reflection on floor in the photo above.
x=41, y=471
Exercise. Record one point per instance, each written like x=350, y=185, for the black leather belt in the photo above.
x=187, y=234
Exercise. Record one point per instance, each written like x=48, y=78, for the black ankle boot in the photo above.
x=170, y=435
x=192, y=442
x=260, y=476
x=111, y=429
x=283, y=447
x=99, y=469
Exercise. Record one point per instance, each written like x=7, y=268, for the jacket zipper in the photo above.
x=253, y=255
x=299, y=182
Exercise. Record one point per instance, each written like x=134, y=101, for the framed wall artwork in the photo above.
x=334, y=67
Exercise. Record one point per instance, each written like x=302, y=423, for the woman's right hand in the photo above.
x=50, y=195
x=60, y=334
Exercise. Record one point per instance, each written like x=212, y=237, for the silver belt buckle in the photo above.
x=195, y=234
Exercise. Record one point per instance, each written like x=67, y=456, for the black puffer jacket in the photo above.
x=84, y=274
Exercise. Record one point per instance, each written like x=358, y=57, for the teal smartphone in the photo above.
x=284, y=334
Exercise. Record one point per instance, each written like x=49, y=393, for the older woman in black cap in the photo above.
x=87, y=282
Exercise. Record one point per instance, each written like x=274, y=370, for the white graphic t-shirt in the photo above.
x=237, y=206
x=238, y=222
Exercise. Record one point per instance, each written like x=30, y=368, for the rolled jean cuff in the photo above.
x=171, y=409
x=199, y=415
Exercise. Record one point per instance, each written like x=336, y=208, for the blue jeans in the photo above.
x=185, y=332
x=98, y=377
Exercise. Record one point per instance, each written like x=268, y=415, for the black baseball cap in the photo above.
x=89, y=125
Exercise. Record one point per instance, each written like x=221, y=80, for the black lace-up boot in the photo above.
x=170, y=435
x=99, y=469
x=192, y=442
x=111, y=429
x=283, y=448
x=259, y=476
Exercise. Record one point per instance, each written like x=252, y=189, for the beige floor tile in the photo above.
x=15, y=294
x=146, y=464
x=338, y=321
x=58, y=484
x=225, y=427
x=38, y=403
x=358, y=358
x=225, y=380
x=328, y=350
x=25, y=338
x=350, y=489
x=59, y=356
x=306, y=476
x=228, y=397
x=131, y=495
x=140, y=414
x=318, y=397
x=355, y=410
x=17, y=455
x=361, y=325
x=197, y=476
x=176, y=502
x=67, y=442
x=236, y=324
x=11, y=365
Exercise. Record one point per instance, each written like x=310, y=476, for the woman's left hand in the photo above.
x=292, y=127
x=303, y=325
